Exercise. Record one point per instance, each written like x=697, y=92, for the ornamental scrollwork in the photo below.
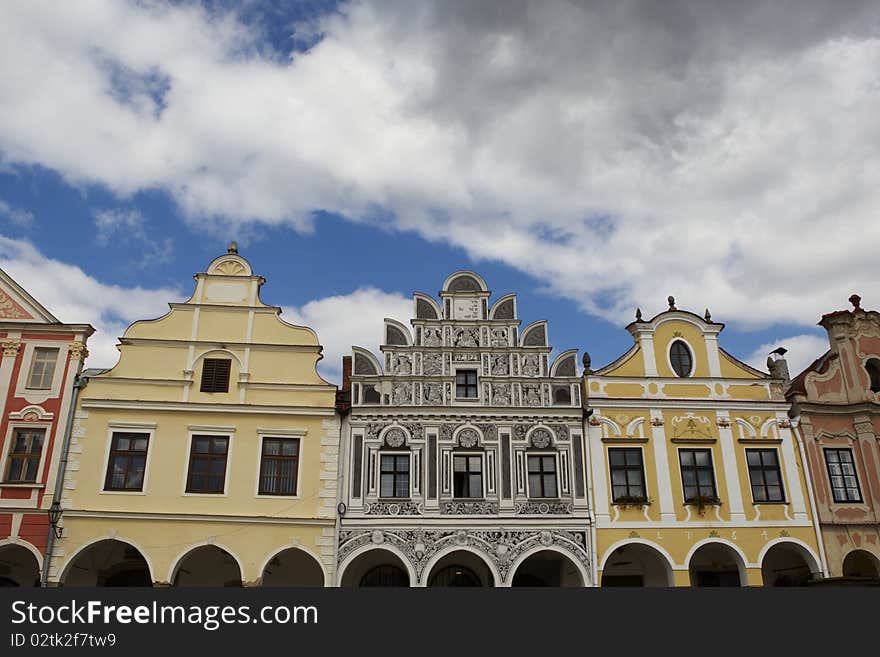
x=11, y=347
x=395, y=437
x=540, y=438
x=561, y=432
x=469, y=508
x=393, y=509
x=543, y=508
x=468, y=438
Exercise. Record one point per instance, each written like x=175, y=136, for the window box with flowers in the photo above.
x=632, y=501
x=702, y=501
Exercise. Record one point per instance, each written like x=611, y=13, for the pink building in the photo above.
x=41, y=358
x=836, y=402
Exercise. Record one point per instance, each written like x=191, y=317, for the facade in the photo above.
x=207, y=455
x=697, y=475
x=41, y=359
x=836, y=407
x=463, y=452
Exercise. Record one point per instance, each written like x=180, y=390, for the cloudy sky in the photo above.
x=593, y=157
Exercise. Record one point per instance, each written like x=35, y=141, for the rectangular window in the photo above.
x=207, y=464
x=627, y=473
x=542, y=475
x=23, y=461
x=278, y=466
x=215, y=375
x=466, y=384
x=394, y=475
x=842, y=473
x=128, y=459
x=42, y=368
x=467, y=475
x=765, y=475
x=697, y=474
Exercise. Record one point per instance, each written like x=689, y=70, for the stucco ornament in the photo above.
x=467, y=337
x=499, y=337
x=432, y=365
x=11, y=347
x=500, y=394
x=402, y=393
x=500, y=366
x=531, y=366
x=532, y=394
x=433, y=393
x=540, y=438
x=395, y=437
x=402, y=364
x=468, y=438
x=432, y=337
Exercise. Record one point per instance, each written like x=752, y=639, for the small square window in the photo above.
x=42, y=368
x=466, y=384
x=394, y=475
x=215, y=375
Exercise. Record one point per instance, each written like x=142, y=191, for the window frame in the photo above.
x=470, y=454
x=475, y=385
x=33, y=362
x=626, y=468
x=873, y=373
x=554, y=456
x=8, y=455
x=111, y=452
x=697, y=469
x=764, y=467
x=381, y=470
x=690, y=352
x=298, y=439
x=855, y=475
x=213, y=381
x=191, y=456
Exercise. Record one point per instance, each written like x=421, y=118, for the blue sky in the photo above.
x=359, y=152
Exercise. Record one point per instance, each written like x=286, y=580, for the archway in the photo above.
x=636, y=564
x=376, y=567
x=787, y=564
x=861, y=563
x=109, y=562
x=18, y=566
x=207, y=565
x=292, y=567
x=716, y=564
x=460, y=568
x=547, y=568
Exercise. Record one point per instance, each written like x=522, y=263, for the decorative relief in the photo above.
x=531, y=394
x=469, y=508
x=416, y=430
x=724, y=423
x=230, y=268
x=393, y=509
x=500, y=365
x=490, y=431
x=466, y=337
x=9, y=309
x=401, y=364
x=446, y=431
x=561, y=432
x=499, y=337
x=656, y=421
x=433, y=393
x=531, y=366
x=395, y=437
x=401, y=393
x=432, y=365
x=77, y=350
x=520, y=431
x=544, y=508
x=467, y=309
x=467, y=358
x=468, y=438
x=691, y=426
x=540, y=438
x=503, y=547
x=501, y=394
x=11, y=347
x=432, y=337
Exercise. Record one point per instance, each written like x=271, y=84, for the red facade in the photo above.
x=40, y=359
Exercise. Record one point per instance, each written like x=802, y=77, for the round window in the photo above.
x=681, y=359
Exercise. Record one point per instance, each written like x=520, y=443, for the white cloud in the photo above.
x=128, y=226
x=616, y=152
x=803, y=349
x=16, y=216
x=347, y=320
x=77, y=298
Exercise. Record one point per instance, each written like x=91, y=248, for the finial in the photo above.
x=587, y=361
x=671, y=300
x=638, y=314
x=233, y=248
x=707, y=316
x=855, y=300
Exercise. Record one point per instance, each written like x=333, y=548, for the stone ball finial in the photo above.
x=587, y=361
x=638, y=314
x=671, y=300
x=233, y=248
x=855, y=300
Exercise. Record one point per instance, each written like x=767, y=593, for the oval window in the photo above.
x=681, y=358
x=873, y=367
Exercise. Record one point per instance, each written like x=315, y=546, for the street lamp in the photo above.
x=55, y=512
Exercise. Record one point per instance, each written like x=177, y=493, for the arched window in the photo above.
x=681, y=358
x=385, y=575
x=873, y=367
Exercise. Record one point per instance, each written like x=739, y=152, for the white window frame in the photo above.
x=464, y=452
x=148, y=428
x=226, y=432
x=262, y=434
x=38, y=395
x=528, y=487
x=690, y=347
x=397, y=452
x=10, y=431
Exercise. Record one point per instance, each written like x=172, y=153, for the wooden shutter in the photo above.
x=215, y=375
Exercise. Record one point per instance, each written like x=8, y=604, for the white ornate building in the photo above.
x=463, y=455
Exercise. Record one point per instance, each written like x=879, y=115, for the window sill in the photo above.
x=694, y=441
x=760, y=441
x=775, y=502
x=21, y=484
x=624, y=439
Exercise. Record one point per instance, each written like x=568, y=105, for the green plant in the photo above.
x=702, y=501
x=627, y=501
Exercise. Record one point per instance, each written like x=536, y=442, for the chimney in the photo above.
x=343, y=395
x=777, y=364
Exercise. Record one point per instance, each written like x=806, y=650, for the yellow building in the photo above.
x=697, y=476
x=207, y=455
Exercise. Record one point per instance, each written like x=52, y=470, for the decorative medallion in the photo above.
x=395, y=437
x=468, y=438
x=540, y=438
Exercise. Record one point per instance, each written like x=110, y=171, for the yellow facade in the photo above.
x=235, y=486
x=720, y=523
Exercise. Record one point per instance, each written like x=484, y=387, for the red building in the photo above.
x=836, y=402
x=41, y=358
